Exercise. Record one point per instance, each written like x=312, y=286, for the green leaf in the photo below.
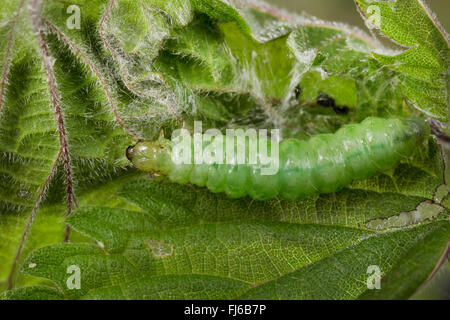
x=171, y=235
x=304, y=284
x=422, y=68
x=48, y=228
x=417, y=266
x=32, y=293
x=73, y=99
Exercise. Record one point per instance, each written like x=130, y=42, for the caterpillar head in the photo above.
x=150, y=156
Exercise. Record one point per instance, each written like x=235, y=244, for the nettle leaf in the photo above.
x=32, y=293
x=184, y=242
x=422, y=68
x=341, y=68
x=335, y=83
x=158, y=240
x=73, y=97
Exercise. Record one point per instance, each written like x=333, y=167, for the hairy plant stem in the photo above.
x=10, y=281
x=36, y=21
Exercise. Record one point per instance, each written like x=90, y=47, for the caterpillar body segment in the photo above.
x=325, y=163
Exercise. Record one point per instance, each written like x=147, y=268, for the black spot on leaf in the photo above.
x=341, y=109
x=325, y=100
x=298, y=92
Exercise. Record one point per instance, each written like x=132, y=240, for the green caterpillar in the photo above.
x=323, y=164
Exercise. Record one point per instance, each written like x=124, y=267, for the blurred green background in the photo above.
x=345, y=11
